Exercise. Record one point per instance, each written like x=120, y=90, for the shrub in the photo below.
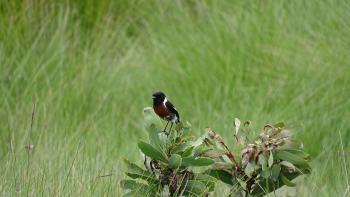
x=265, y=165
x=179, y=165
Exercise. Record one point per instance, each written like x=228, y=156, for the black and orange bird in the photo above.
x=165, y=109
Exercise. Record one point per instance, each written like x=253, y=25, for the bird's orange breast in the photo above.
x=161, y=110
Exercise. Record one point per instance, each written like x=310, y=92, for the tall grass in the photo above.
x=90, y=68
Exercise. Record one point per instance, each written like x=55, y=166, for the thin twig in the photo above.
x=105, y=175
x=29, y=146
x=230, y=154
x=32, y=123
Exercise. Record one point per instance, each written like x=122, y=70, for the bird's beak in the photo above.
x=153, y=97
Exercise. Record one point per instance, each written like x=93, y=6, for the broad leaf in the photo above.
x=181, y=147
x=223, y=176
x=195, y=187
x=208, y=180
x=249, y=169
x=151, y=118
x=175, y=161
x=200, y=161
x=135, y=172
x=214, y=153
x=262, y=162
x=136, y=188
x=188, y=152
x=270, y=159
x=131, y=184
x=275, y=172
x=286, y=181
x=222, y=166
x=289, y=166
x=292, y=158
x=265, y=173
x=154, y=136
x=152, y=152
x=199, y=150
x=298, y=152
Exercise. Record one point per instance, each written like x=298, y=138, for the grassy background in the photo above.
x=90, y=67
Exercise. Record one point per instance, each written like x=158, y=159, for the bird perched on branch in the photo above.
x=165, y=109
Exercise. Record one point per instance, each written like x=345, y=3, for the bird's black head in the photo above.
x=158, y=97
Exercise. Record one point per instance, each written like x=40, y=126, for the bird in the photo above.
x=165, y=109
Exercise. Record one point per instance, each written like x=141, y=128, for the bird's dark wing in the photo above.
x=172, y=109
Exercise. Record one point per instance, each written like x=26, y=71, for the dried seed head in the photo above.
x=245, y=160
x=236, y=124
x=211, y=134
x=247, y=123
x=248, y=153
x=264, y=137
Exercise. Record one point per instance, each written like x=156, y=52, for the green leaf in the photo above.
x=175, y=161
x=131, y=184
x=150, y=117
x=134, y=171
x=249, y=169
x=133, y=168
x=181, y=147
x=200, y=161
x=199, y=141
x=195, y=187
x=214, y=153
x=188, y=152
x=223, y=176
x=275, y=172
x=298, y=152
x=152, y=152
x=136, y=188
x=292, y=158
x=286, y=181
x=290, y=167
x=172, y=135
x=222, y=166
x=262, y=162
x=153, y=136
x=185, y=130
x=265, y=173
x=270, y=159
x=209, y=181
x=199, y=150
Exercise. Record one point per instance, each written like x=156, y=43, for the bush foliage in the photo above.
x=180, y=165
